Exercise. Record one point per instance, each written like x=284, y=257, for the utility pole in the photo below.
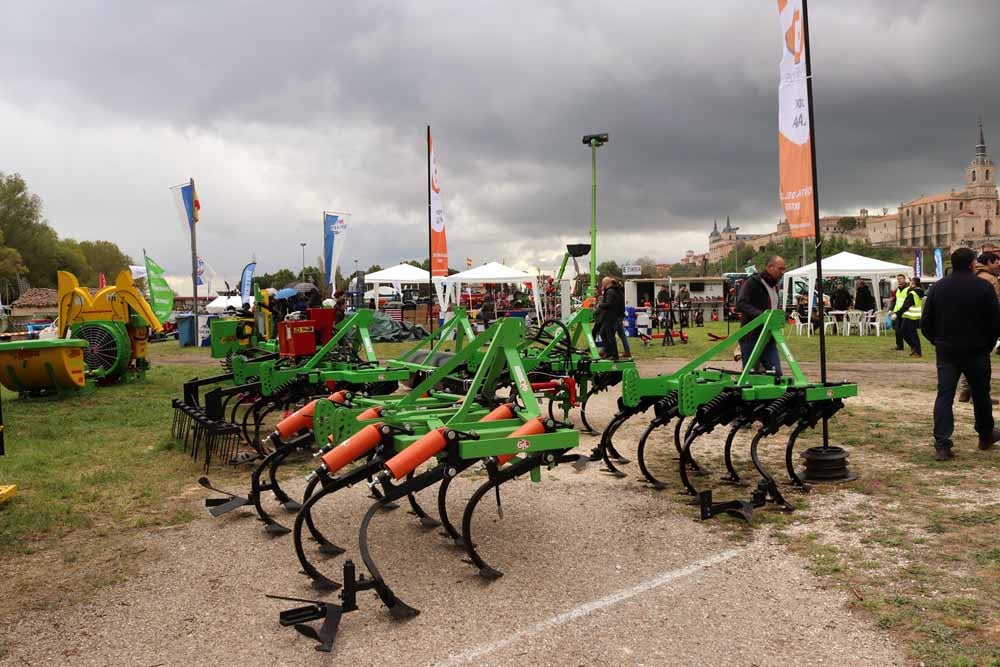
x=302, y=276
x=594, y=141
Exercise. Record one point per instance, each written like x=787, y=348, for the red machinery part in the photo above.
x=324, y=319
x=358, y=444
x=297, y=338
x=569, y=384
x=533, y=427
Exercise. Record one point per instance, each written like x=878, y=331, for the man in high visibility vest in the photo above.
x=910, y=319
x=902, y=290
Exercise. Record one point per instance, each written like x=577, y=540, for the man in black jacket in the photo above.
x=610, y=311
x=961, y=317
x=760, y=293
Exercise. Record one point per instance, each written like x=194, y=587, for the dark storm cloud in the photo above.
x=329, y=100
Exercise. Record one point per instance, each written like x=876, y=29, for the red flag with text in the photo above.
x=439, y=242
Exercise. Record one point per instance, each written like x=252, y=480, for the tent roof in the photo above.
x=401, y=273
x=494, y=272
x=220, y=303
x=849, y=264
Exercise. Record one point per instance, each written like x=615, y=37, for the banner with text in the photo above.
x=246, y=283
x=938, y=264
x=334, y=233
x=161, y=297
x=439, y=242
x=795, y=184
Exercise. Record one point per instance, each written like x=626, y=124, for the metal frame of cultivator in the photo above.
x=710, y=397
x=270, y=383
x=509, y=437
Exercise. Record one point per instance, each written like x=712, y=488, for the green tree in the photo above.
x=25, y=230
x=105, y=257
x=11, y=263
x=847, y=224
x=608, y=267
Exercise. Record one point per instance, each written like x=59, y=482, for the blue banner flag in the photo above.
x=246, y=282
x=192, y=206
x=938, y=264
x=329, y=234
x=918, y=263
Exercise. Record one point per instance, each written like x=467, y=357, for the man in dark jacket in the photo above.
x=610, y=312
x=961, y=317
x=760, y=293
x=863, y=298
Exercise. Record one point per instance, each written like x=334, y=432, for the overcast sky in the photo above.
x=282, y=110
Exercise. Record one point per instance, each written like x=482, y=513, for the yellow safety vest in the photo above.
x=913, y=312
x=900, y=298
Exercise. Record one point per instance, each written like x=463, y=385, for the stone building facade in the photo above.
x=968, y=217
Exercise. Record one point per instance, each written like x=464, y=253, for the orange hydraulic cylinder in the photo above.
x=358, y=444
x=303, y=417
x=433, y=443
x=405, y=462
x=370, y=413
x=533, y=427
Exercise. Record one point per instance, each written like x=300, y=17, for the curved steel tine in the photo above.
x=326, y=547
x=656, y=423
x=678, y=440
x=690, y=458
x=319, y=580
x=587, y=428
x=426, y=520
x=770, y=485
x=604, y=447
x=271, y=527
x=789, y=465
x=609, y=434
x=693, y=432
x=442, y=503
x=272, y=475
x=497, y=477
x=733, y=477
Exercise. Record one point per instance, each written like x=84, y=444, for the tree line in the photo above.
x=31, y=249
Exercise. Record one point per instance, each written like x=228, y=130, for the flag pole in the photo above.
x=194, y=267
x=430, y=247
x=815, y=196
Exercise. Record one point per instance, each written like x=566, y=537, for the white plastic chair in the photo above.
x=800, y=323
x=829, y=323
x=853, y=319
x=875, y=320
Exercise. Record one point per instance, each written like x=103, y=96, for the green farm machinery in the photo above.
x=697, y=399
x=408, y=443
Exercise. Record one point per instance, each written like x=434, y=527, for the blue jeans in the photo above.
x=624, y=336
x=976, y=368
x=769, y=357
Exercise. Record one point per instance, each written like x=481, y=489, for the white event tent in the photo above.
x=847, y=265
x=494, y=272
x=219, y=304
x=397, y=276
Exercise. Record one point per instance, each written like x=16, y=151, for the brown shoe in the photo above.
x=943, y=454
x=626, y=355
x=987, y=442
x=916, y=355
x=965, y=396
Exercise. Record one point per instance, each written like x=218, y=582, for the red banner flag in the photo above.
x=795, y=181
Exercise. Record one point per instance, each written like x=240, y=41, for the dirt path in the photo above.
x=598, y=571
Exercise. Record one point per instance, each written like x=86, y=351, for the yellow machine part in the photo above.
x=7, y=491
x=111, y=303
x=29, y=367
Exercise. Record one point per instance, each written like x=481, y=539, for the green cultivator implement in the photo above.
x=697, y=399
x=406, y=443
x=234, y=409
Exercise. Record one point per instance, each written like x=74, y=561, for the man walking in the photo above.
x=910, y=319
x=961, y=318
x=610, y=312
x=902, y=291
x=987, y=268
x=760, y=293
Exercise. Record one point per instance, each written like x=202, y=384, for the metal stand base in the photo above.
x=826, y=464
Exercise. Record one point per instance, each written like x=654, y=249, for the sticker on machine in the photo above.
x=523, y=444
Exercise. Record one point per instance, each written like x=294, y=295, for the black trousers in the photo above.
x=911, y=333
x=609, y=335
x=975, y=367
x=897, y=327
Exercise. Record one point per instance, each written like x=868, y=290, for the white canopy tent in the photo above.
x=397, y=276
x=846, y=265
x=220, y=303
x=494, y=272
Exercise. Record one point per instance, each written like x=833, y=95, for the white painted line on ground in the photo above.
x=587, y=608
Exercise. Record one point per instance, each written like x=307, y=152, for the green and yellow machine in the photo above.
x=100, y=339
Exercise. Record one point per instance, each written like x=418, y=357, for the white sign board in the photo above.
x=631, y=270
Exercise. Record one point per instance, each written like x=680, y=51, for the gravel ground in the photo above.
x=598, y=571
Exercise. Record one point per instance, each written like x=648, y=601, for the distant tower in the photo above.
x=980, y=175
x=715, y=233
x=728, y=227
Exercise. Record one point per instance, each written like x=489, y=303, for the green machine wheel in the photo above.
x=108, y=348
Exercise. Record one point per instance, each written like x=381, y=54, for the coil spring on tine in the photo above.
x=779, y=405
